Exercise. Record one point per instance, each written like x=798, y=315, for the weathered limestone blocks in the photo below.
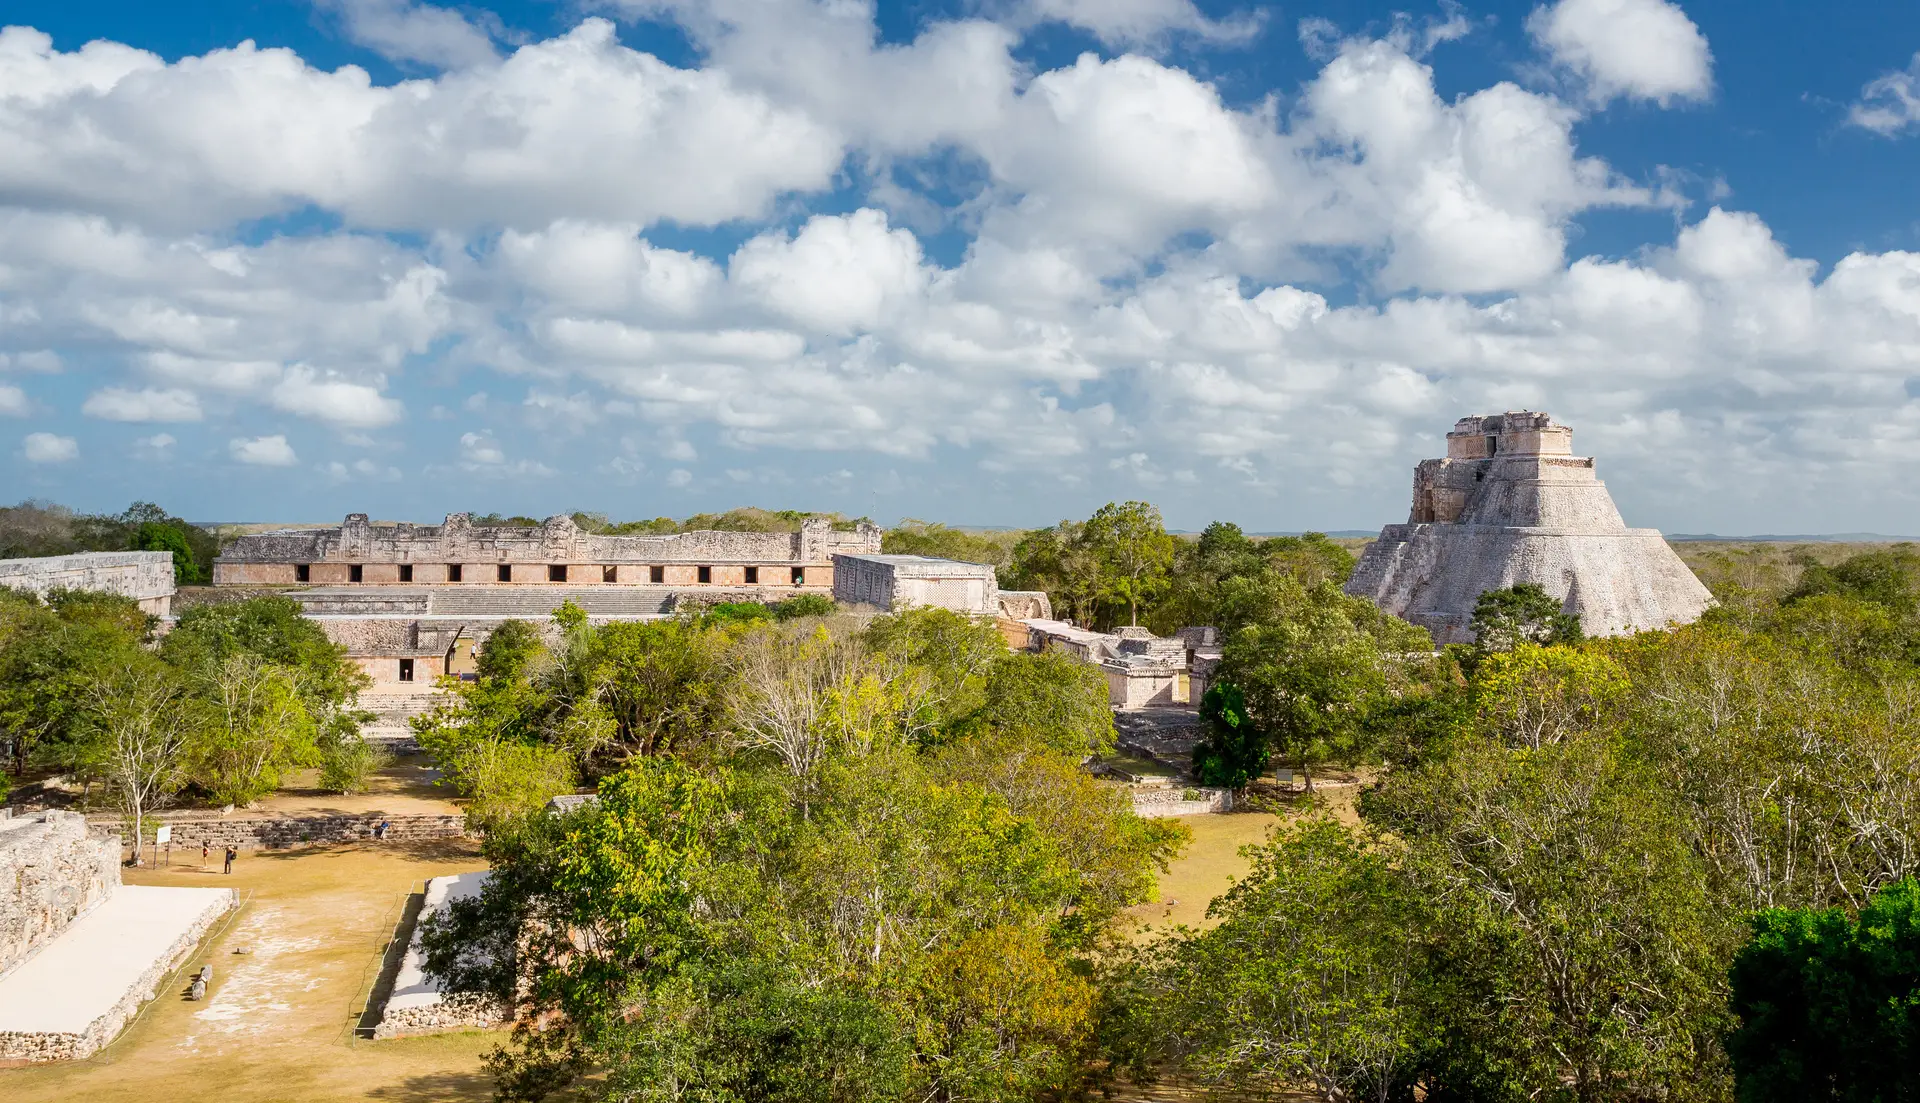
x=290, y=831
x=417, y=1005
x=1510, y=504
x=145, y=576
x=108, y=997
x=52, y=871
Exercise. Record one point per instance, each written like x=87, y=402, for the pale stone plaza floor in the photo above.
x=85, y=972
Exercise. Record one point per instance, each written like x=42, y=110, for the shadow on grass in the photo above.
x=437, y=1087
x=390, y=965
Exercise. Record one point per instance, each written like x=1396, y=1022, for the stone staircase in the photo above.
x=538, y=603
x=393, y=706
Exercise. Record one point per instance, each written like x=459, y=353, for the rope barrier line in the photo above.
x=389, y=920
x=172, y=980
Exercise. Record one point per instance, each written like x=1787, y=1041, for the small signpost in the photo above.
x=163, y=834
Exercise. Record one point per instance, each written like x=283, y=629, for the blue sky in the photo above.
x=991, y=262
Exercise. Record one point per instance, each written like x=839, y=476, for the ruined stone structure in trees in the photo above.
x=1510, y=504
x=79, y=951
x=412, y=602
x=144, y=576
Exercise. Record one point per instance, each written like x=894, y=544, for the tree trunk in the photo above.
x=1306, y=772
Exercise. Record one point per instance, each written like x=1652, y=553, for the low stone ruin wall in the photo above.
x=52, y=871
x=460, y=1011
x=218, y=833
x=417, y=1005
x=1176, y=801
x=79, y=1045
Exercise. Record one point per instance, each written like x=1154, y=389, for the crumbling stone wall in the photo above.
x=78, y=1045
x=52, y=871
x=329, y=555
x=145, y=576
x=218, y=833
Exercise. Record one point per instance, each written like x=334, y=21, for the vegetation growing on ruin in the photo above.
x=35, y=528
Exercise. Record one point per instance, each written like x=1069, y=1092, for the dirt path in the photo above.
x=278, y=1026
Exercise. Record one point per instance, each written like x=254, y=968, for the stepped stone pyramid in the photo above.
x=1511, y=503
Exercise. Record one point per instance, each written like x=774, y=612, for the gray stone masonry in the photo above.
x=380, y=550
x=243, y=833
x=1511, y=504
x=144, y=576
x=52, y=871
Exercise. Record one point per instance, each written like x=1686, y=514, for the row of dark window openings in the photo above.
x=556, y=572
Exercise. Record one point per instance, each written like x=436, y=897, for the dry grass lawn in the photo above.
x=279, y=1025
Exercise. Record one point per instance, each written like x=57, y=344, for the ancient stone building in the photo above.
x=413, y=602
x=144, y=576
x=1511, y=503
x=79, y=951
x=557, y=553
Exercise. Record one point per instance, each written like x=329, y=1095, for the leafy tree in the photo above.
x=1309, y=559
x=136, y=733
x=1533, y=696
x=1233, y=753
x=258, y=727
x=1315, y=669
x=1060, y=561
x=1574, y=913
x=801, y=606
x=51, y=654
x=1306, y=981
x=1889, y=578
x=273, y=630
x=1520, y=614
x=1131, y=544
x=348, y=766
x=940, y=662
x=159, y=536
x=663, y=684
x=510, y=650
x=1050, y=700
x=911, y=537
x=1829, y=1003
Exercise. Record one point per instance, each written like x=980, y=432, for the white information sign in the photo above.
x=163, y=834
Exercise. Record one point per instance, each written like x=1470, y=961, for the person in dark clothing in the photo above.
x=231, y=855
x=380, y=832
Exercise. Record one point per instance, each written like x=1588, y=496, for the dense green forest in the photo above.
x=1674, y=866
x=847, y=860
x=220, y=707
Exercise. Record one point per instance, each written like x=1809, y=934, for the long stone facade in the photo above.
x=411, y=603
x=1509, y=504
x=558, y=552
x=144, y=576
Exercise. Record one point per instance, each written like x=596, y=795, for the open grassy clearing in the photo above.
x=279, y=1025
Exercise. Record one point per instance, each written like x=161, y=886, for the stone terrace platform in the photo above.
x=77, y=993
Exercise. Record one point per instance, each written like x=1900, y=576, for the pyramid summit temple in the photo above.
x=1509, y=504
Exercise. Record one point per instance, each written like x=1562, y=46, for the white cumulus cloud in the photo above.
x=13, y=401
x=147, y=404
x=42, y=448
x=1639, y=49
x=273, y=451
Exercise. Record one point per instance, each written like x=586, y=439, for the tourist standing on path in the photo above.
x=231, y=855
x=203, y=854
